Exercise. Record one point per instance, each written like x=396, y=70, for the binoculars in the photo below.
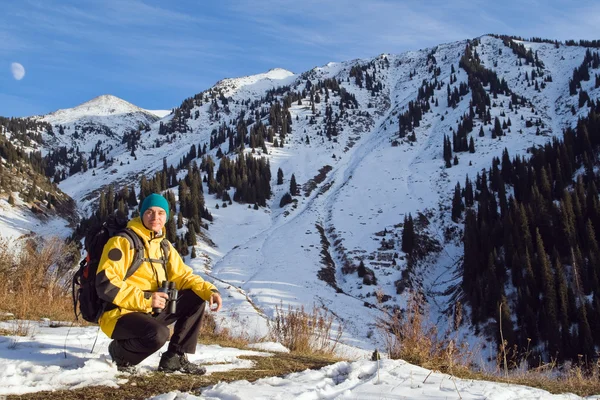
x=168, y=288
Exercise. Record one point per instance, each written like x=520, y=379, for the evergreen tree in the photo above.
x=361, y=270
x=191, y=239
x=285, y=200
x=457, y=204
x=279, y=176
x=447, y=151
x=585, y=340
x=562, y=302
x=408, y=235
x=102, y=212
x=293, y=186
x=468, y=193
x=593, y=267
x=179, y=220
x=171, y=230
x=497, y=128
x=550, y=319
x=131, y=198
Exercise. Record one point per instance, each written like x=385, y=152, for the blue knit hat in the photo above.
x=154, y=200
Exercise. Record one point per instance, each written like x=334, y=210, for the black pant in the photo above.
x=138, y=335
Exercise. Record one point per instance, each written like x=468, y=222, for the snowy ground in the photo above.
x=48, y=359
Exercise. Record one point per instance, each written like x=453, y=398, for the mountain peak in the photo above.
x=273, y=77
x=103, y=105
x=105, y=115
x=106, y=104
x=279, y=73
x=104, y=98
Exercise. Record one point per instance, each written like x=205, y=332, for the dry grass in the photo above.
x=410, y=338
x=209, y=334
x=305, y=332
x=35, y=278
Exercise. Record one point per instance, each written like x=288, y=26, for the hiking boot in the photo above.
x=122, y=365
x=174, y=362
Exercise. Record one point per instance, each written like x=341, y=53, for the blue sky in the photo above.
x=157, y=53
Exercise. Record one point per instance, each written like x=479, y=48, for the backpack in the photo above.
x=85, y=297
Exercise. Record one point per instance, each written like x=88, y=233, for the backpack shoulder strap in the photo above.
x=135, y=243
x=164, y=244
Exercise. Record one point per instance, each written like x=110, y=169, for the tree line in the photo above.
x=530, y=245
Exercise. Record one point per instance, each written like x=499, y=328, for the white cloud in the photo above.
x=18, y=71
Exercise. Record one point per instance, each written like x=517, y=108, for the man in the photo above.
x=136, y=331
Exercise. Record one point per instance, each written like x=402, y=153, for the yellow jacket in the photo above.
x=129, y=295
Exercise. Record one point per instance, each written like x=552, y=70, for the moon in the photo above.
x=18, y=71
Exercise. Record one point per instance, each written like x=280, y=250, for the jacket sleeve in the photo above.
x=184, y=277
x=116, y=259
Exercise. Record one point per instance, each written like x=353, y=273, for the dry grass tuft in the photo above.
x=210, y=334
x=409, y=338
x=35, y=278
x=305, y=332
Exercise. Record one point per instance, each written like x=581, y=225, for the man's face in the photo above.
x=154, y=218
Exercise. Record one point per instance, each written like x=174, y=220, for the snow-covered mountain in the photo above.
x=255, y=84
x=360, y=176
x=105, y=118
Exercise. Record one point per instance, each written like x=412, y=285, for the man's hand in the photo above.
x=215, y=302
x=159, y=300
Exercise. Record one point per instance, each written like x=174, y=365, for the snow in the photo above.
x=270, y=346
x=253, y=84
x=53, y=357
x=159, y=113
x=18, y=222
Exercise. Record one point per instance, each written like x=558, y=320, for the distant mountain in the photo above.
x=105, y=117
x=369, y=143
x=104, y=105
x=52, y=146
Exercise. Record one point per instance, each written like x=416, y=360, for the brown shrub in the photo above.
x=35, y=278
x=409, y=338
x=304, y=332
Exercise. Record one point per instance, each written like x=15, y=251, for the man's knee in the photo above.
x=192, y=301
x=159, y=337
